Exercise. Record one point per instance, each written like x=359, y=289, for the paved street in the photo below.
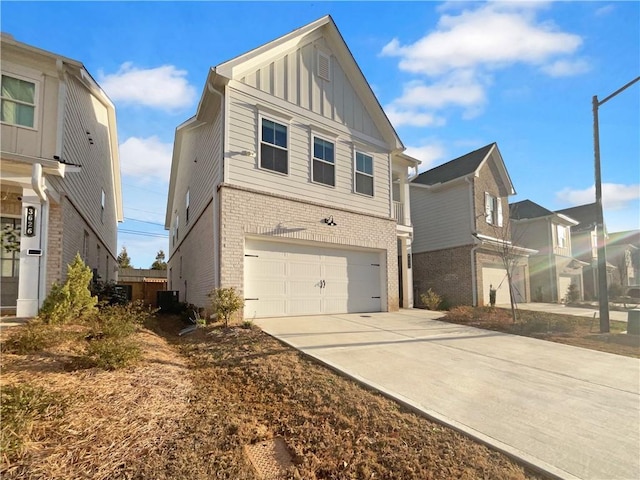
x=572, y=412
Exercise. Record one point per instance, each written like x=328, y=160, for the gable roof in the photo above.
x=628, y=237
x=466, y=166
x=586, y=215
x=325, y=27
x=527, y=209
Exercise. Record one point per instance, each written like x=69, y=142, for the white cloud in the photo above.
x=491, y=36
x=606, y=10
x=165, y=87
x=412, y=117
x=614, y=196
x=146, y=159
x=429, y=154
x=455, y=62
x=566, y=68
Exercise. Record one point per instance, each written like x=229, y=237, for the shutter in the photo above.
x=499, y=202
x=487, y=208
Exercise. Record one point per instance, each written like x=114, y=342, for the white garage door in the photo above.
x=283, y=279
x=497, y=277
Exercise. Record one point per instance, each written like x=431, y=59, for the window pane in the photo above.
x=364, y=163
x=323, y=149
x=7, y=268
x=323, y=173
x=18, y=89
x=318, y=148
x=281, y=135
x=364, y=184
x=280, y=160
x=17, y=114
x=273, y=158
x=268, y=131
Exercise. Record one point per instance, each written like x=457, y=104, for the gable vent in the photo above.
x=324, y=65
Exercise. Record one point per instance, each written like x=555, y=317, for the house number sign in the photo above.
x=30, y=222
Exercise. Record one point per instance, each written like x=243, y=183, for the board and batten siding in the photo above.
x=293, y=78
x=244, y=170
x=441, y=219
x=86, y=142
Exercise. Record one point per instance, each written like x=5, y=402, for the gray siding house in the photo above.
x=60, y=175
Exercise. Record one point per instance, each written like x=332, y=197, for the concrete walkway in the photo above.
x=614, y=316
x=572, y=412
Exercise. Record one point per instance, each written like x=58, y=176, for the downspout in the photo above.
x=472, y=213
x=37, y=183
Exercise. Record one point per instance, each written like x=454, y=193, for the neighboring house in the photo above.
x=584, y=244
x=143, y=284
x=552, y=269
x=60, y=175
x=623, y=251
x=282, y=185
x=460, y=217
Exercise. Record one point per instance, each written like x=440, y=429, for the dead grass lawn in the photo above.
x=195, y=403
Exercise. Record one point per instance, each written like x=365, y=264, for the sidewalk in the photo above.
x=562, y=309
x=571, y=412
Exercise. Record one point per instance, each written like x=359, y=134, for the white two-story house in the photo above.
x=282, y=185
x=60, y=175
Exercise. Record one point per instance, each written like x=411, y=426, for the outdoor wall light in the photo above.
x=248, y=153
x=329, y=221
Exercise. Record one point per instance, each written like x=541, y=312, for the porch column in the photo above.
x=31, y=275
x=406, y=272
x=403, y=188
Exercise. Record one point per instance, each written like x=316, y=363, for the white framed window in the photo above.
x=186, y=207
x=18, y=101
x=323, y=166
x=561, y=236
x=85, y=247
x=493, y=210
x=176, y=228
x=363, y=167
x=274, y=146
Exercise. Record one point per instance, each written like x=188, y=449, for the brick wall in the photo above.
x=245, y=212
x=447, y=272
x=54, y=266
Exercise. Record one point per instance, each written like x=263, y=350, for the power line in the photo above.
x=143, y=234
x=145, y=211
x=144, y=221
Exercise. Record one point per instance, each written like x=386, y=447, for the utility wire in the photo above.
x=144, y=221
x=143, y=234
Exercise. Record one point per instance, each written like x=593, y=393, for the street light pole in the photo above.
x=603, y=294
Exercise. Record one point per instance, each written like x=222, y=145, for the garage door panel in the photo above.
x=291, y=279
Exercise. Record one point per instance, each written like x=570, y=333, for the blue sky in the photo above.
x=452, y=77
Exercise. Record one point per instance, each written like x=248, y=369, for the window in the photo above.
x=561, y=233
x=273, y=147
x=364, y=174
x=493, y=210
x=98, y=257
x=103, y=200
x=85, y=247
x=323, y=169
x=10, y=249
x=186, y=207
x=177, y=226
x=18, y=101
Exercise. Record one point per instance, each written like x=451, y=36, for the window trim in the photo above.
x=356, y=172
x=287, y=124
x=493, y=210
x=36, y=98
x=103, y=201
x=314, y=136
x=186, y=207
x=563, y=229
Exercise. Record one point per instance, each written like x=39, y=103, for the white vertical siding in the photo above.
x=441, y=219
x=293, y=78
x=244, y=170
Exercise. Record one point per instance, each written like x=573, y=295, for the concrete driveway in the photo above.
x=572, y=412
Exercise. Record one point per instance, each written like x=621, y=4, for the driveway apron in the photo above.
x=572, y=412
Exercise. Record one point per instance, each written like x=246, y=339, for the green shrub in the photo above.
x=20, y=405
x=110, y=353
x=573, y=294
x=72, y=300
x=35, y=336
x=225, y=302
x=431, y=300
